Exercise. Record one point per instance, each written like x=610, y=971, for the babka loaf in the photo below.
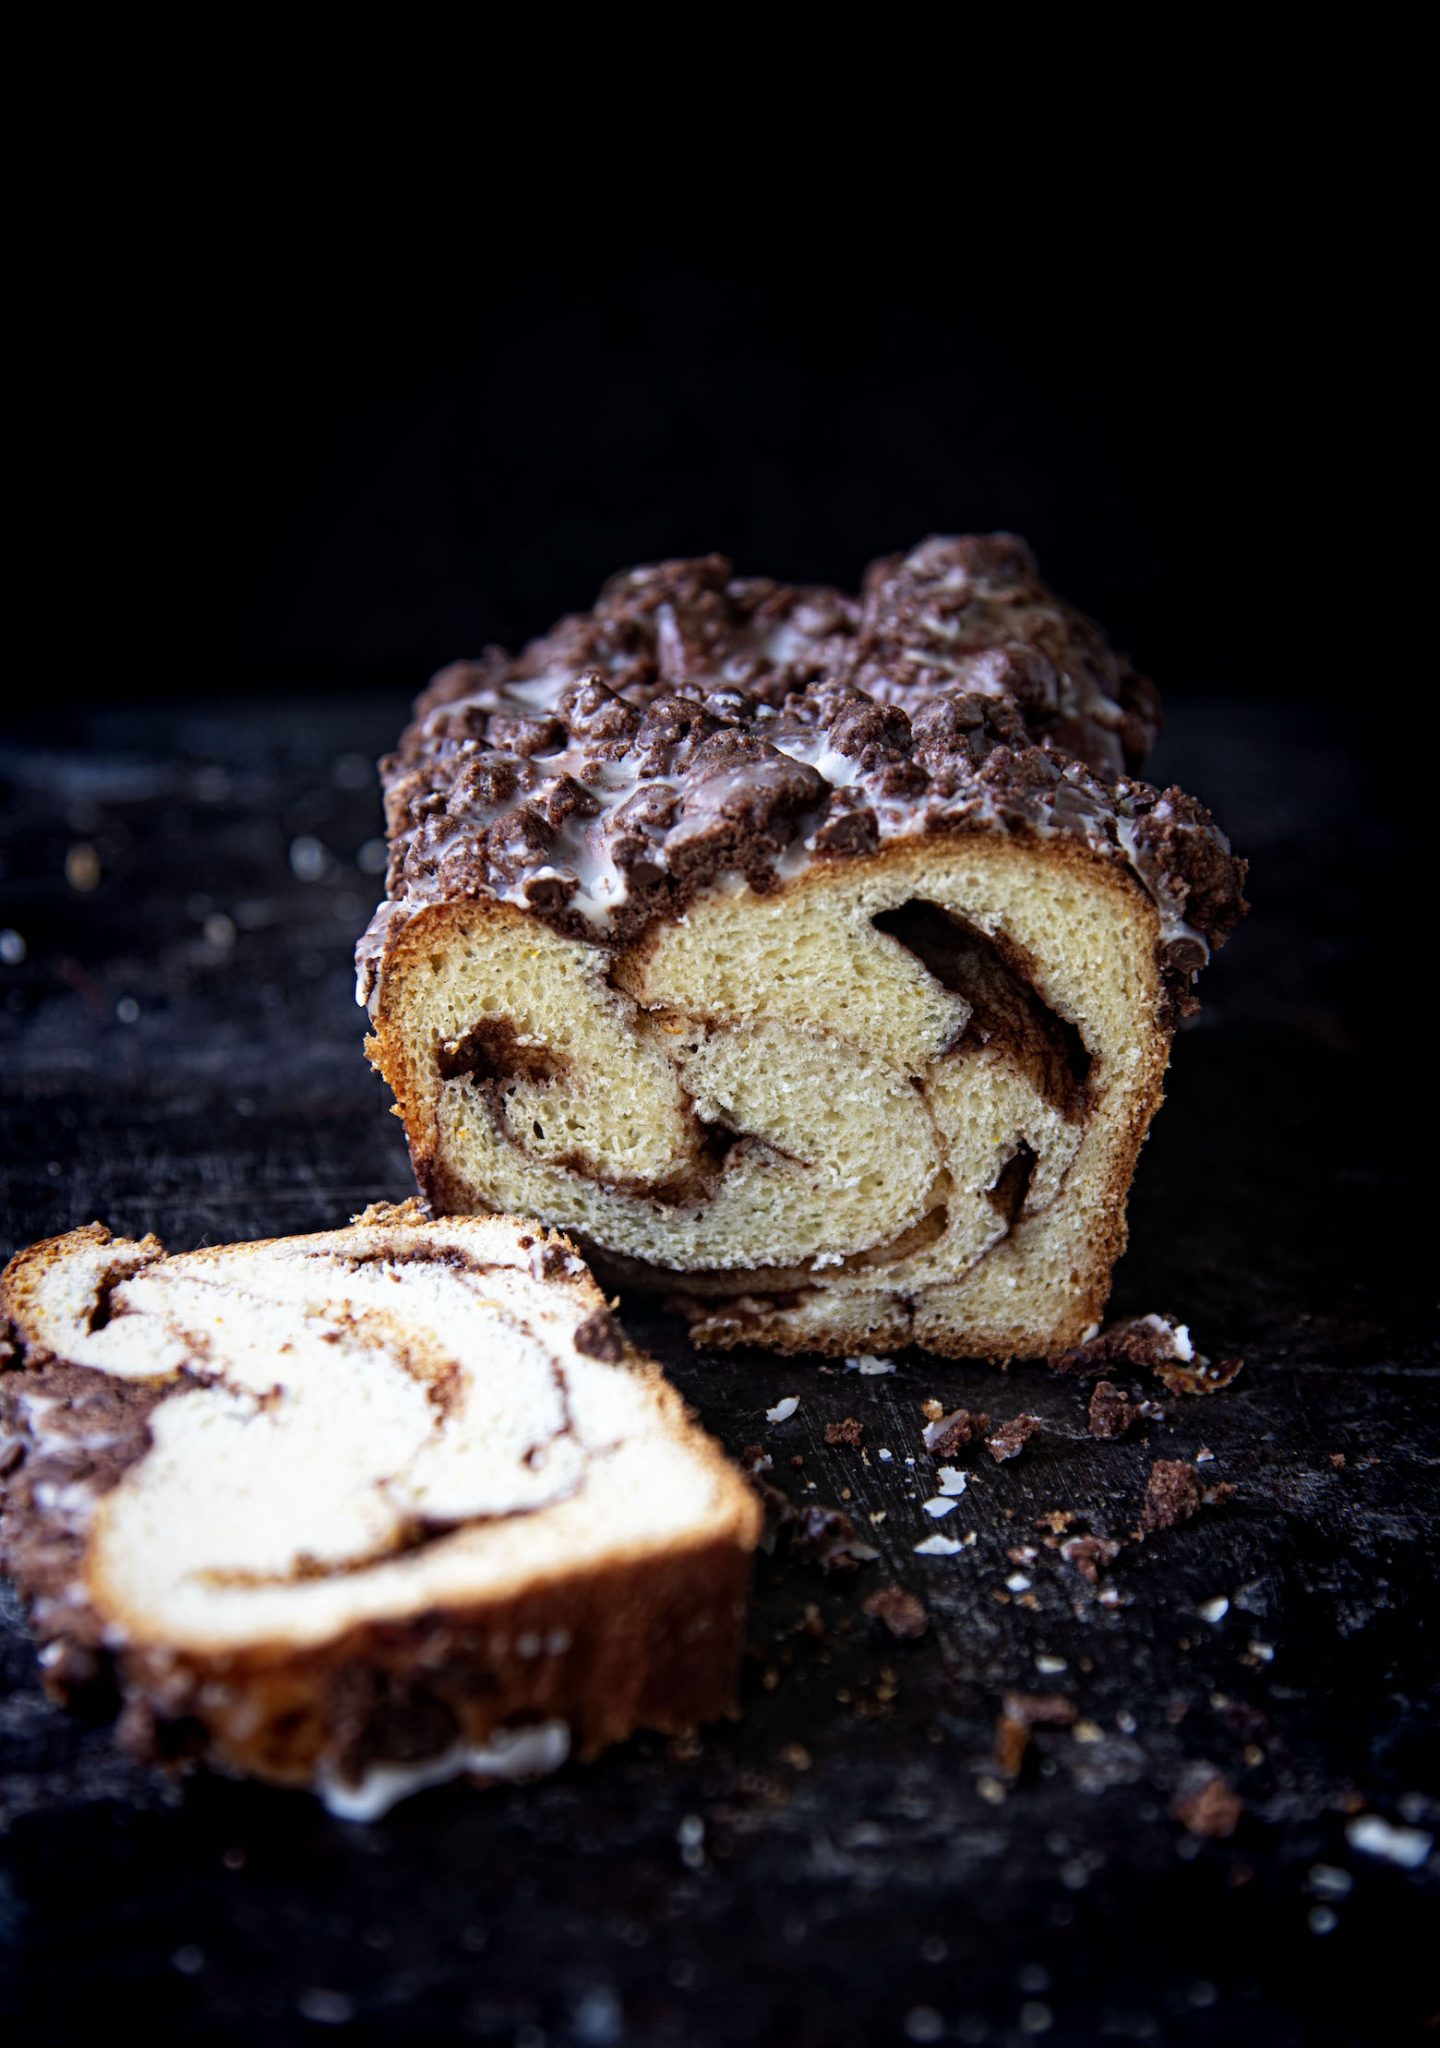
x=812, y=959
x=364, y=1510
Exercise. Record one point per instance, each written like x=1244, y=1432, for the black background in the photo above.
x=324, y=435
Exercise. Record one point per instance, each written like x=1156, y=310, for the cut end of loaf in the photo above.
x=897, y=1099
x=364, y=1509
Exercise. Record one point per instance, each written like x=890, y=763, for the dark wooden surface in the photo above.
x=181, y=1054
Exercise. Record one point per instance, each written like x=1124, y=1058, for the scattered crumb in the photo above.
x=932, y=1410
x=1374, y=1836
x=1020, y=1712
x=1011, y=1437
x=937, y=1546
x=1212, y=1808
x=885, y=1456
x=1088, y=1553
x=1050, y=1667
x=797, y=1462
x=940, y=1504
x=797, y=1756
x=1135, y=1340
x=947, y=1434
x=828, y=1535
x=898, y=1611
x=1112, y=1413
x=1337, y=1459
x=82, y=868
x=783, y=1410
x=1173, y=1493
x=755, y=1458
x=1199, y=1377
x=1056, y=1520
x=1040, y=1709
x=1214, y=1611
x=1022, y=1553
x=868, y=1365
x=850, y=1431
x=952, y=1479
x=1012, y=1739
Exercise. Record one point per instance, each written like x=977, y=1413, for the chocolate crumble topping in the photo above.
x=696, y=723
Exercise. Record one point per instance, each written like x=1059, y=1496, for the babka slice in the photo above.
x=814, y=960
x=364, y=1510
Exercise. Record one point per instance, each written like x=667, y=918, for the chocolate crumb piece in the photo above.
x=1012, y=1739
x=1088, y=1553
x=1011, y=1437
x=932, y=1410
x=1199, y=1376
x=828, y=1536
x=798, y=1462
x=898, y=1611
x=1040, y=1709
x=1020, y=1712
x=1158, y=1344
x=597, y=1337
x=1213, y=1808
x=1056, y=1520
x=847, y=1432
x=947, y=1434
x=1337, y=1459
x=1111, y=1412
x=1173, y=1493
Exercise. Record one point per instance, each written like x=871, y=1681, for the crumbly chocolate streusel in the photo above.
x=697, y=724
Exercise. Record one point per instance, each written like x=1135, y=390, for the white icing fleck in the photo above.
x=938, y=1546
x=1372, y=1835
x=939, y=1505
x=510, y=1753
x=783, y=1410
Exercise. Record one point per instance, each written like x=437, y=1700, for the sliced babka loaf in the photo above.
x=813, y=960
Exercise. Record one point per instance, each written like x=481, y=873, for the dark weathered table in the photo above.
x=181, y=1054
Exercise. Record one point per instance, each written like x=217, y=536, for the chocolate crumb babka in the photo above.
x=364, y=1510
x=811, y=959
